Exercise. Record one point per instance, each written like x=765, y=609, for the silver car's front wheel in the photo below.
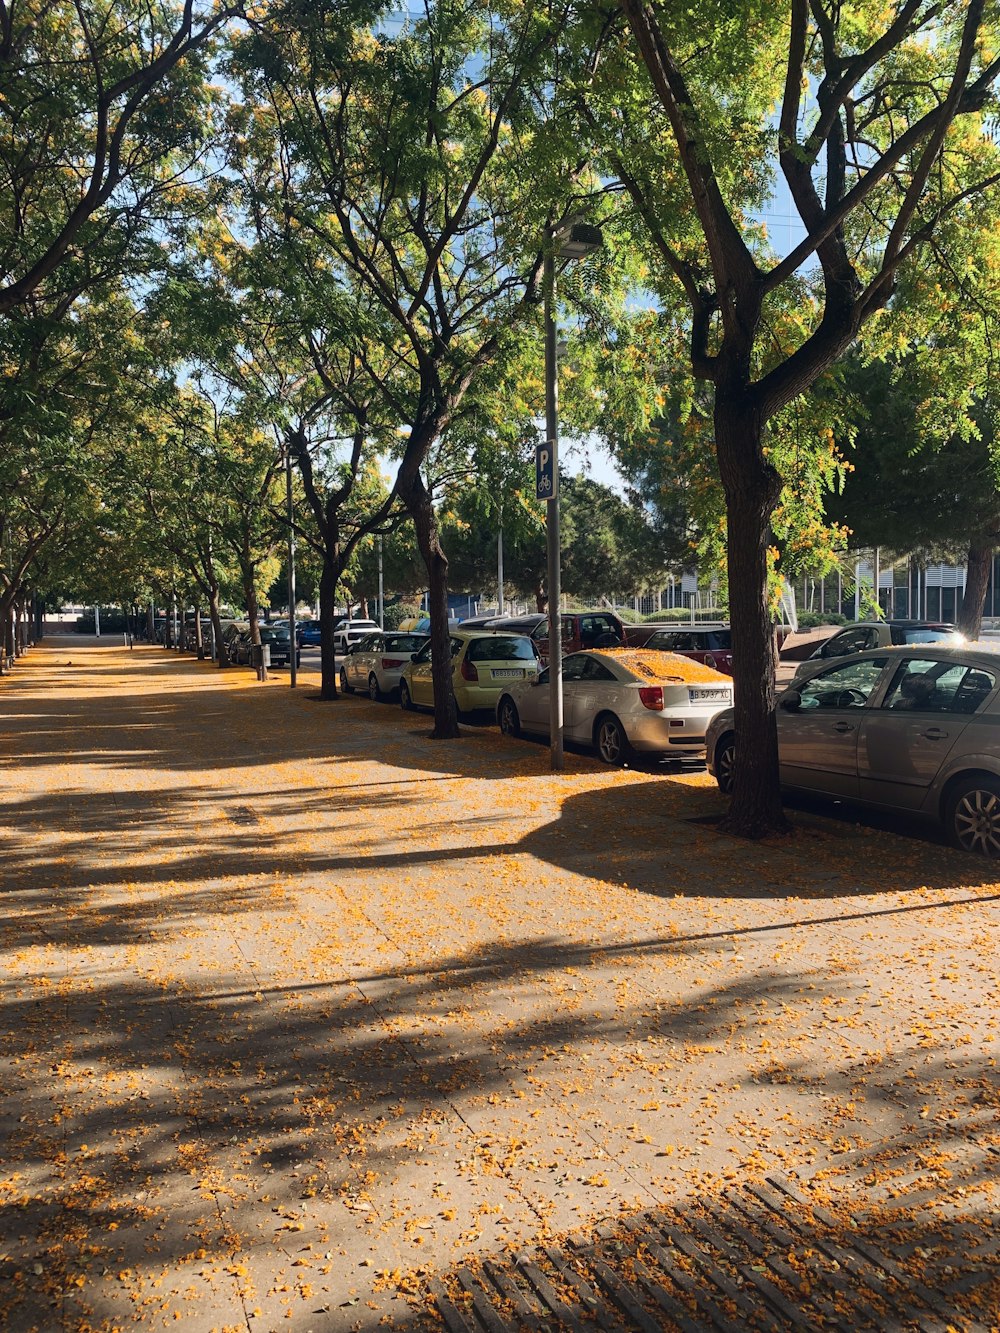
x=974, y=816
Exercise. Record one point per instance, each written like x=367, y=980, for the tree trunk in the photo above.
x=752, y=488
x=253, y=610
x=327, y=617
x=541, y=599
x=977, y=582
x=199, y=641
x=416, y=497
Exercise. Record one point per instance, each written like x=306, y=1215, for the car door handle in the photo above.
x=844, y=726
x=935, y=734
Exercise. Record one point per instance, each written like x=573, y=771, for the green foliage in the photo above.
x=813, y=619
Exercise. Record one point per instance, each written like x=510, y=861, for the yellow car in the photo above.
x=483, y=665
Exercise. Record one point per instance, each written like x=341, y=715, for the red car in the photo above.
x=710, y=644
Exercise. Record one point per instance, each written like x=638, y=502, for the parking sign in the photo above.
x=545, y=471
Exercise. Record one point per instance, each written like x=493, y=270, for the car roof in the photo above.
x=486, y=632
x=980, y=653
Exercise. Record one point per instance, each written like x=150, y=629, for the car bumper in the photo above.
x=680, y=734
x=472, y=696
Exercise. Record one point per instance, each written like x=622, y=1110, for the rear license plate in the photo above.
x=703, y=696
x=508, y=674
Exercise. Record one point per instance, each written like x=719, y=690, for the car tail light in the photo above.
x=469, y=671
x=652, y=697
x=391, y=663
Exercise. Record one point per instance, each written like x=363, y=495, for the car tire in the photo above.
x=611, y=741
x=344, y=686
x=405, y=702
x=374, y=693
x=725, y=763
x=508, y=717
x=972, y=818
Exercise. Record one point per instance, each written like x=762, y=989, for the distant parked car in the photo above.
x=580, y=629
x=232, y=633
x=620, y=701
x=483, y=664
x=376, y=663
x=709, y=644
x=913, y=729
x=308, y=633
x=867, y=634
x=346, y=632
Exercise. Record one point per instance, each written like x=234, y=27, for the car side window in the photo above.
x=574, y=666
x=851, y=641
x=847, y=686
x=425, y=653
x=541, y=630
x=926, y=686
x=456, y=647
x=594, y=670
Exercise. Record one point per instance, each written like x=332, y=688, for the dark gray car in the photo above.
x=912, y=729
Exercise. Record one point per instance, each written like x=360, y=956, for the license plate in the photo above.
x=699, y=696
x=508, y=674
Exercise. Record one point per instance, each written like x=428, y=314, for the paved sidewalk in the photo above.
x=306, y=1016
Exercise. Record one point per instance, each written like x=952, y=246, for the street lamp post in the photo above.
x=569, y=242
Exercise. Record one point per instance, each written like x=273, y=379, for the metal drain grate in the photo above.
x=768, y=1255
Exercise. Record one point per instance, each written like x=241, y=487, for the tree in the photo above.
x=418, y=169
x=880, y=139
x=103, y=112
x=910, y=489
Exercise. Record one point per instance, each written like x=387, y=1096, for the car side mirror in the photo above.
x=790, y=701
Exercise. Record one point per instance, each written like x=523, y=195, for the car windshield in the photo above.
x=404, y=643
x=497, y=648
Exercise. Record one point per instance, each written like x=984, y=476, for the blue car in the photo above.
x=307, y=633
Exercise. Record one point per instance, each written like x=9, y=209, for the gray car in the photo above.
x=912, y=729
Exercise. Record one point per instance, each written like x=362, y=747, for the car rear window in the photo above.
x=404, y=643
x=497, y=648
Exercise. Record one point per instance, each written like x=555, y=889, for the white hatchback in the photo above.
x=621, y=700
x=376, y=663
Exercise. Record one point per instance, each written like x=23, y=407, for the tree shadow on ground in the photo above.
x=149, y=1125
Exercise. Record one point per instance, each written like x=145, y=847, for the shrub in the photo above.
x=396, y=612
x=813, y=619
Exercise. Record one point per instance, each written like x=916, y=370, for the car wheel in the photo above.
x=405, y=702
x=347, y=689
x=725, y=763
x=374, y=693
x=973, y=819
x=610, y=740
x=507, y=716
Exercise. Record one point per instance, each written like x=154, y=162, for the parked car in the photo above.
x=913, y=729
x=376, y=662
x=279, y=638
x=346, y=632
x=483, y=664
x=867, y=634
x=308, y=633
x=620, y=701
x=232, y=632
x=710, y=644
x=580, y=629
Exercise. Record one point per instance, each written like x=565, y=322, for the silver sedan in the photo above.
x=910, y=729
x=621, y=700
